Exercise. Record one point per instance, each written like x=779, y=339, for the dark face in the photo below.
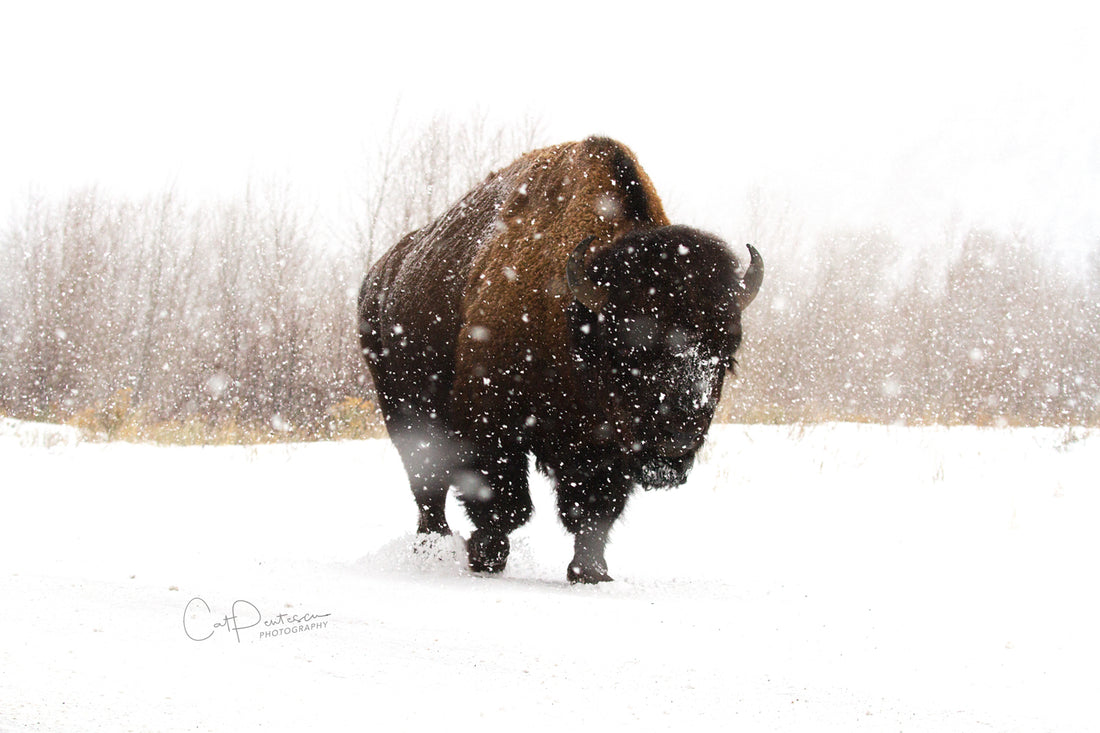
x=661, y=346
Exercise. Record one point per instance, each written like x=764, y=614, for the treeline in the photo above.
x=235, y=320
x=231, y=320
x=980, y=327
x=155, y=310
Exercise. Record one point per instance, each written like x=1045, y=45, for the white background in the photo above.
x=828, y=578
x=859, y=113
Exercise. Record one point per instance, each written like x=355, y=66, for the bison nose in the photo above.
x=677, y=442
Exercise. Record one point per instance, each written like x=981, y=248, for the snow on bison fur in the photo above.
x=554, y=312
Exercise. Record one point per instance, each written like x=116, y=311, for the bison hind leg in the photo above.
x=430, y=455
x=431, y=501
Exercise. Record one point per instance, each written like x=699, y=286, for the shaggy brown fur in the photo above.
x=476, y=345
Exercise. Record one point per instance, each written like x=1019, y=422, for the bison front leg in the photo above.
x=588, y=505
x=497, y=499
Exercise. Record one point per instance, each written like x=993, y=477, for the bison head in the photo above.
x=655, y=325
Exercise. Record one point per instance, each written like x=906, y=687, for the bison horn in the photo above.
x=750, y=281
x=591, y=295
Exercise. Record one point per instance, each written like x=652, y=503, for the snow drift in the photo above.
x=838, y=577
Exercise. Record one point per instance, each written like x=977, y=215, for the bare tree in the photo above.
x=243, y=313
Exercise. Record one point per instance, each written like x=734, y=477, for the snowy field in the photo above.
x=830, y=578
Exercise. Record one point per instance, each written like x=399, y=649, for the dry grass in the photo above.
x=118, y=419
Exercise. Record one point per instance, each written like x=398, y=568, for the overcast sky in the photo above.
x=861, y=113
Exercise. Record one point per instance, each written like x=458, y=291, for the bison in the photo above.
x=553, y=311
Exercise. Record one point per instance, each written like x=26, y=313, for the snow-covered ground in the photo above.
x=837, y=577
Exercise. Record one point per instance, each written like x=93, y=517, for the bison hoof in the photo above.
x=487, y=552
x=581, y=574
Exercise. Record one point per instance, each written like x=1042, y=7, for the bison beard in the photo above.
x=553, y=312
x=663, y=473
